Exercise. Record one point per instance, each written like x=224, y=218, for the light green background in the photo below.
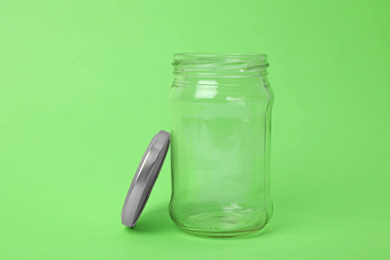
x=84, y=86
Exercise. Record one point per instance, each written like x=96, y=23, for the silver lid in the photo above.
x=144, y=178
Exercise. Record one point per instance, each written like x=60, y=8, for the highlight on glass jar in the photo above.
x=220, y=147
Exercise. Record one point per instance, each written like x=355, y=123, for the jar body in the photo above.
x=220, y=152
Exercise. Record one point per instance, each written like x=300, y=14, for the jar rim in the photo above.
x=234, y=55
x=214, y=64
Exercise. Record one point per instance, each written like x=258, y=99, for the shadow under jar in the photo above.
x=220, y=143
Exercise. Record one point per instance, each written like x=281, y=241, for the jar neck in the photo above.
x=220, y=65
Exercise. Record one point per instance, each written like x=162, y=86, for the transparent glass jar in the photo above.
x=220, y=143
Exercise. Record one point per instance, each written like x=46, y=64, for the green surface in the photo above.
x=84, y=86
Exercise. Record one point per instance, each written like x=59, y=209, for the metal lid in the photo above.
x=144, y=178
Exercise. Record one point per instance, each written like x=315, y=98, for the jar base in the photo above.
x=221, y=234
x=222, y=224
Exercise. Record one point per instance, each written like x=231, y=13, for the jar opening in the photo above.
x=220, y=64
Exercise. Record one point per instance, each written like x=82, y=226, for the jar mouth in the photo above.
x=221, y=55
x=203, y=64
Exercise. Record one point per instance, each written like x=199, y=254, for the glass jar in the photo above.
x=220, y=143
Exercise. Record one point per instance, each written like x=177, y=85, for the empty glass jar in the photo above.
x=220, y=143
